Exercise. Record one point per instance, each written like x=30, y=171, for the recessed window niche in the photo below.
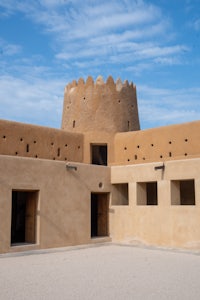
x=183, y=192
x=147, y=193
x=120, y=194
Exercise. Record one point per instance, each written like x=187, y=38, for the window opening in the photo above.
x=120, y=194
x=147, y=193
x=183, y=192
x=99, y=154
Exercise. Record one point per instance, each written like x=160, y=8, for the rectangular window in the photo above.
x=99, y=154
x=147, y=193
x=120, y=194
x=23, y=220
x=183, y=192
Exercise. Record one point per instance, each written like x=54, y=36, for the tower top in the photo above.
x=100, y=106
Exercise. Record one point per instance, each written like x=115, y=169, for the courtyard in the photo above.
x=101, y=271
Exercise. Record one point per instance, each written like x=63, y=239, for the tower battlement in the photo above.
x=100, y=106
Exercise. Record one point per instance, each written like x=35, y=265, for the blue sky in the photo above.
x=44, y=44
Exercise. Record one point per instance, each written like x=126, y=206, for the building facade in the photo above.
x=99, y=178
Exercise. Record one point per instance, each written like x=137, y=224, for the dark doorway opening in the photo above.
x=99, y=154
x=23, y=222
x=99, y=214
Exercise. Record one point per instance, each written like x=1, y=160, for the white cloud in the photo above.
x=38, y=102
x=167, y=106
x=8, y=49
x=89, y=29
x=88, y=37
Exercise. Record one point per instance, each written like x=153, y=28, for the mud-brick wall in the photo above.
x=18, y=139
x=180, y=141
x=100, y=106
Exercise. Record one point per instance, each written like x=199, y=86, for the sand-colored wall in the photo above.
x=18, y=139
x=63, y=212
x=163, y=224
x=99, y=106
x=158, y=144
x=98, y=138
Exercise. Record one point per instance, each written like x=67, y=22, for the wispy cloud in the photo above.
x=37, y=102
x=9, y=49
x=88, y=30
x=169, y=106
x=92, y=37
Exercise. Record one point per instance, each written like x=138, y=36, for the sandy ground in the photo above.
x=100, y=272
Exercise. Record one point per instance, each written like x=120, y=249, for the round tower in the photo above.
x=98, y=106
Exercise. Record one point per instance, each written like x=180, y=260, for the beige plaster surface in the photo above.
x=111, y=272
x=98, y=138
x=163, y=224
x=63, y=213
x=25, y=140
x=180, y=141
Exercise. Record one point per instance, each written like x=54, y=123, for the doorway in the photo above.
x=23, y=220
x=99, y=214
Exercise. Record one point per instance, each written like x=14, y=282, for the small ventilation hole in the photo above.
x=161, y=156
x=27, y=148
x=21, y=139
x=74, y=123
x=152, y=145
x=185, y=154
x=135, y=157
x=186, y=140
x=125, y=148
x=138, y=146
x=58, y=152
x=170, y=154
x=170, y=142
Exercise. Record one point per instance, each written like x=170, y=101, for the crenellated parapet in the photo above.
x=100, y=106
